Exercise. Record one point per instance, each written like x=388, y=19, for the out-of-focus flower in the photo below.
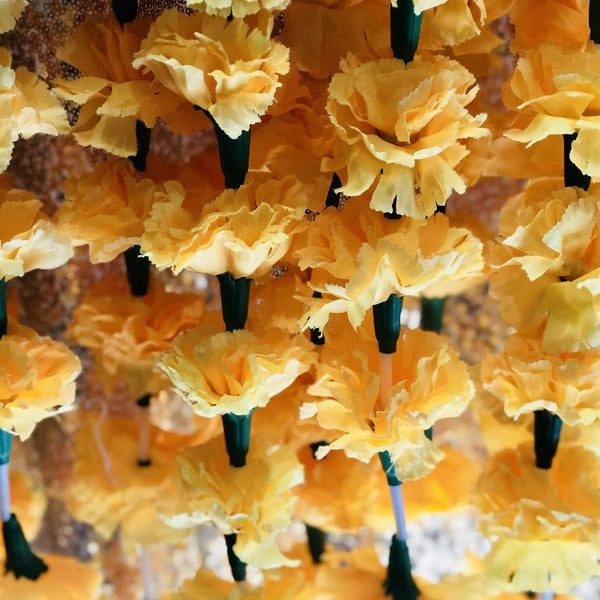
x=237, y=8
x=224, y=67
x=37, y=378
x=401, y=130
x=429, y=382
x=127, y=334
x=556, y=91
x=234, y=372
x=244, y=231
x=106, y=208
x=545, y=521
x=526, y=379
x=113, y=95
x=255, y=502
x=10, y=11
x=549, y=252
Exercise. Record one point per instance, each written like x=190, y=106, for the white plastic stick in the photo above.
x=545, y=595
x=144, y=434
x=398, y=506
x=146, y=573
x=4, y=493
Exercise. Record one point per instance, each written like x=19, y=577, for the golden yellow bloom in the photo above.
x=255, y=502
x=66, y=578
x=127, y=334
x=546, y=521
x=244, y=231
x=28, y=501
x=110, y=490
x=429, y=382
x=224, y=67
x=556, y=91
x=113, y=95
x=106, y=208
x=234, y=372
x=400, y=129
x=237, y=8
x=10, y=11
x=37, y=377
x=548, y=252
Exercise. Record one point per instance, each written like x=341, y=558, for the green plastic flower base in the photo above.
x=125, y=10
x=388, y=468
x=386, y=317
x=546, y=434
x=317, y=539
x=138, y=271
x=333, y=198
x=594, y=21
x=405, y=28
x=399, y=583
x=20, y=560
x=238, y=567
x=573, y=176
x=235, y=298
x=142, y=136
x=432, y=313
x=237, y=437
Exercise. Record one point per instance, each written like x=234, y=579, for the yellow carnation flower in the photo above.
x=113, y=95
x=401, y=128
x=244, y=231
x=255, y=502
x=10, y=11
x=37, y=377
x=237, y=8
x=127, y=334
x=234, y=372
x=221, y=66
x=556, y=91
x=544, y=521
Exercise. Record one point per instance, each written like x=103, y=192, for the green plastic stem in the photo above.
x=235, y=298
x=386, y=317
x=237, y=437
x=594, y=21
x=20, y=560
x=142, y=135
x=399, y=583
x=405, y=29
x=5, y=446
x=573, y=176
x=388, y=468
x=317, y=539
x=546, y=432
x=125, y=10
x=333, y=198
x=238, y=567
x=432, y=312
x=138, y=271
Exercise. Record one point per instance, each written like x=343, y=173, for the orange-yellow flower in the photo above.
x=221, y=66
x=401, y=130
x=10, y=11
x=237, y=8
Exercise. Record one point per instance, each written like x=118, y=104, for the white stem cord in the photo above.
x=5, y=493
x=146, y=573
x=398, y=506
x=144, y=434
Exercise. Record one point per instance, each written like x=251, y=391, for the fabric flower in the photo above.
x=244, y=231
x=127, y=334
x=10, y=11
x=544, y=522
x=237, y=8
x=254, y=502
x=221, y=66
x=113, y=95
x=429, y=383
x=548, y=252
x=234, y=372
x=400, y=129
x=106, y=208
x=37, y=378
x=556, y=91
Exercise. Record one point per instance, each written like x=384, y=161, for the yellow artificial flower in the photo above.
x=243, y=231
x=237, y=8
x=113, y=95
x=255, y=502
x=544, y=521
x=110, y=490
x=526, y=379
x=37, y=378
x=548, y=252
x=126, y=334
x=106, y=208
x=224, y=67
x=556, y=91
x=10, y=11
x=429, y=382
x=401, y=130
x=234, y=372
x=28, y=238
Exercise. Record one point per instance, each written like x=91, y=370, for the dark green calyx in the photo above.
x=573, y=176
x=317, y=539
x=546, y=434
x=316, y=336
x=125, y=10
x=594, y=21
x=386, y=317
x=389, y=469
x=138, y=271
x=405, y=28
x=399, y=583
x=142, y=135
x=144, y=462
x=333, y=197
x=144, y=401
x=238, y=567
x=5, y=447
x=20, y=560
x=429, y=434
x=237, y=437
x=432, y=313
x=235, y=298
